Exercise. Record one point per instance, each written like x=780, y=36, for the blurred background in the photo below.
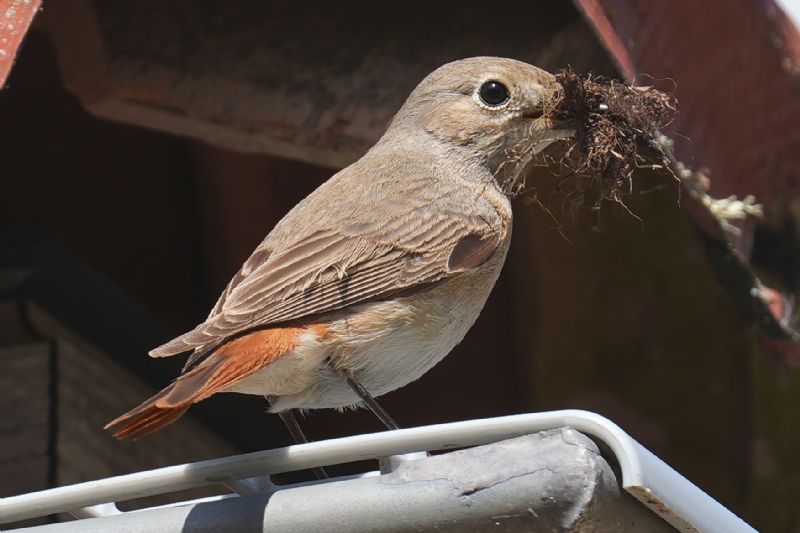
x=147, y=147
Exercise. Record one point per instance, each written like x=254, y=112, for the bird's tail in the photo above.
x=168, y=405
x=145, y=419
x=218, y=371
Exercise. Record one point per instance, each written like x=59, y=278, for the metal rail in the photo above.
x=644, y=475
x=554, y=479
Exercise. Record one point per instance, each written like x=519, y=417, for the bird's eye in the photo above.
x=493, y=93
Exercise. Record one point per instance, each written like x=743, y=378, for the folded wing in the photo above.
x=327, y=268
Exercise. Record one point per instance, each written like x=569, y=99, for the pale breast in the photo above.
x=389, y=344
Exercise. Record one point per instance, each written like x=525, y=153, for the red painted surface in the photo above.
x=594, y=12
x=15, y=19
x=735, y=69
x=735, y=65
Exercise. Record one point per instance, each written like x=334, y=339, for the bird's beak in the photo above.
x=555, y=130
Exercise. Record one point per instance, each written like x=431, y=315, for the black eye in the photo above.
x=493, y=93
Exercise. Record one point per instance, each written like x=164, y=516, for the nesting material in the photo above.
x=614, y=124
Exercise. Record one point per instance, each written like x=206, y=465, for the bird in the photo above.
x=379, y=273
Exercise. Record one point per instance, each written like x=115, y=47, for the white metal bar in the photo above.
x=644, y=475
x=103, y=509
x=549, y=480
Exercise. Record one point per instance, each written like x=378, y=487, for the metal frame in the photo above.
x=645, y=476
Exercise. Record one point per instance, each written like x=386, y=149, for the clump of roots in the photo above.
x=614, y=124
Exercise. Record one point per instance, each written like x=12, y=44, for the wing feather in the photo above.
x=328, y=268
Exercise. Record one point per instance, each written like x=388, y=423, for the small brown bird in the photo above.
x=374, y=277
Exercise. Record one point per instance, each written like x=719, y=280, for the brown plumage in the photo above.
x=384, y=268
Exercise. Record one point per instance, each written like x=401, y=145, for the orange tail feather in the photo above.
x=231, y=362
x=150, y=419
x=171, y=403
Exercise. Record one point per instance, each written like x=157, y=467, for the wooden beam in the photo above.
x=266, y=77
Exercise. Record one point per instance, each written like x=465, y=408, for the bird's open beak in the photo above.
x=546, y=131
x=557, y=130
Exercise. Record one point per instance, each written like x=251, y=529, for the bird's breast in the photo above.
x=388, y=344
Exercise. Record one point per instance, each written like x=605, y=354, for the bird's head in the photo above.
x=491, y=110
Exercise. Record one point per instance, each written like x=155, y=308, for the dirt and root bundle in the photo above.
x=617, y=129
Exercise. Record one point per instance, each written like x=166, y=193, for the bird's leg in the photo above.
x=293, y=426
x=296, y=432
x=367, y=398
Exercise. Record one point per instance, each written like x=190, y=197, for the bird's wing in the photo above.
x=365, y=258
